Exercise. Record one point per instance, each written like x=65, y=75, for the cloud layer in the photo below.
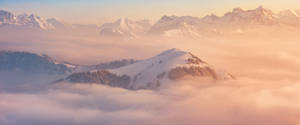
x=244, y=101
x=265, y=93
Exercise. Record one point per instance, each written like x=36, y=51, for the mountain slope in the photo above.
x=25, y=21
x=124, y=28
x=259, y=15
x=7, y=17
x=33, y=21
x=31, y=63
x=176, y=26
x=55, y=23
x=231, y=22
x=152, y=73
x=289, y=17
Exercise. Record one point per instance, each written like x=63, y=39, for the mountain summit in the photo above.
x=173, y=64
x=124, y=28
x=259, y=15
x=24, y=20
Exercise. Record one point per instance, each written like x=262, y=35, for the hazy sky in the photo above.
x=98, y=11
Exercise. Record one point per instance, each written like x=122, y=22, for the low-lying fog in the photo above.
x=266, y=91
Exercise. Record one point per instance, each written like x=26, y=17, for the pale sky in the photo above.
x=99, y=11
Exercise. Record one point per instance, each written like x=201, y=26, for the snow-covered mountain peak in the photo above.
x=260, y=11
x=237, y=10
x=211, y=16
x=33, y=21
x=288, y=13
x=260, y=8
x=55, y=22
x=166, y=18
x=152, y=73
x=124, y=27
x=176, y=26
x=172, y=64
x=171, y=51
x=289, y=17
x=259, y=15
x=7, y=17
x=123, y=23
x=25, y=21
x=38, y=22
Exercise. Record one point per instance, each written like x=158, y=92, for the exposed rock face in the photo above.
x=115, y=64
x=30, y=63
x=181, y=72
x=194, y=60
x=102, y=77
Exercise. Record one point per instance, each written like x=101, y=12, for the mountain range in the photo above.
x=152, y=73
x=125, y=27
x=24, y=20
x=235, y=21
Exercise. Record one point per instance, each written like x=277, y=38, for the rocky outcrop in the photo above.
x=181, y=72
x=115, y=64
x=101, y=77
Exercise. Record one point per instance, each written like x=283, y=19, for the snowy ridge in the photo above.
x=25, y=20
x=174, y=26
x=124, y=27
x=167, y=60
x=237, y=21
x=7, y=17
x=259, y=15
x=287, y=13
x=31, y=63
x=33, y=21
x=152, y=73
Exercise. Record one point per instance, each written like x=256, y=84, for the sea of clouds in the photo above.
x=265, y=91
x=234, y=102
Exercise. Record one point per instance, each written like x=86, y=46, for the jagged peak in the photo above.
x=263, y=10
x=260, y=8
x=5, y=12
x=54, y=20
x=151, y=73
x=168, y=18
x=171, y=51
x=183, y=55
x=212, y=15
x=237, y=10
x=123, y=20
x=288, y=12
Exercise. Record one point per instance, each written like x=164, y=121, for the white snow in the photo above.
x=30, y=21
x=177, y=26
x=125, y=27
x=146, y=71
x=288, y=13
